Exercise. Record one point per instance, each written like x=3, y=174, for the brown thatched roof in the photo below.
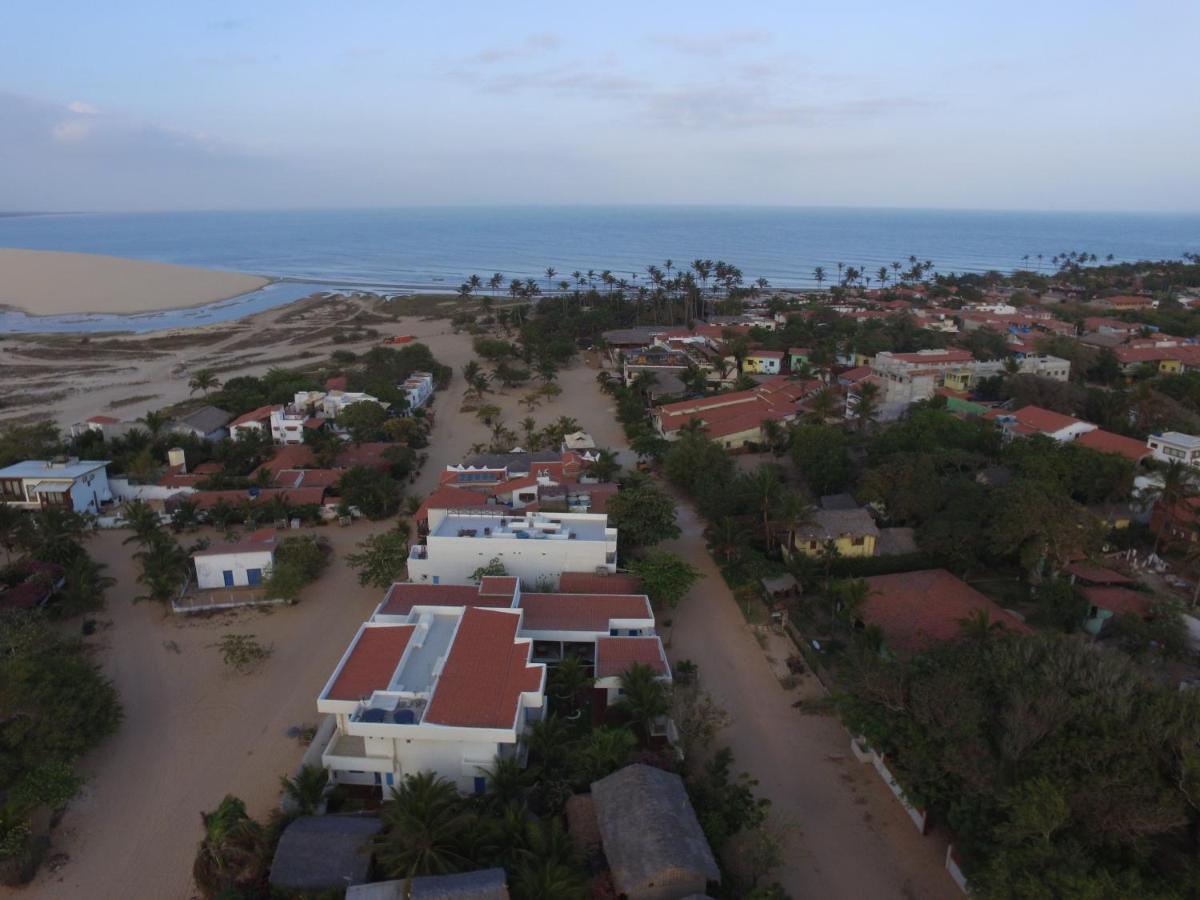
x=649, y=827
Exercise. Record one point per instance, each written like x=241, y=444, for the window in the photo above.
x=858, y=541
x=11, y=487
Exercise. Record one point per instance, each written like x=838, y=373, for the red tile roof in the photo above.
x=1096, y=574
x=1107, y=442
x=104, y=420
x=919, y=610
x=486, y=671
x=292, y=496
x=372, y=662
x=294, y=478
x=255, y=415
x=1119, y=600
x=1037, y=419
x=498, y=586
x=617, y=655
x=592, y=583
x=335, y=383
x=767, y=354
x=581, y=612
x=403, y=596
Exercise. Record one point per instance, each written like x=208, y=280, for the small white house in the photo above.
x=243, y=563
x=257, y=421
x=418, y=388
x=76, y=484
x=1175, y=446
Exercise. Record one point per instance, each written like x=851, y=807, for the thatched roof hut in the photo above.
x=320, y=853
x=655, y=847
x=484, y=884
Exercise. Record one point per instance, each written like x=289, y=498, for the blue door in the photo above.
x=228, y=578
x=480, y=784
x=254, y=576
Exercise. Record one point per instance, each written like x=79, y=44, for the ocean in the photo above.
x=438, y=248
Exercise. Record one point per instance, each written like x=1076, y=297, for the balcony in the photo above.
x=348, y=753
x=418, y=551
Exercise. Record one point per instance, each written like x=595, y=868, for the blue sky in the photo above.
x=150, y=105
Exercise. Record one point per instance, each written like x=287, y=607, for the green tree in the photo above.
x=642, y=513
x=374, y=493
x=233, y=857
x=299, y=561
x=823, y=457
x=366, y=421
x=305, y=791
x=381, y=559
x=204, y=380
x=644, y=698
x=427, y=829
x=666, y=577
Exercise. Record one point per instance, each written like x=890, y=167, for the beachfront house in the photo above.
x=76, y=484
x=447, y=690
x=536, y=547
x=256, y=422
x=243, y=563
x=290, y=423
x=108, y=427
x=447, y=676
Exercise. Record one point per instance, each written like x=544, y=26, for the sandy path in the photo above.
x=192, y=731
x=46, y=283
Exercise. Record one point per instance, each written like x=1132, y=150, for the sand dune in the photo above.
x=46, y=283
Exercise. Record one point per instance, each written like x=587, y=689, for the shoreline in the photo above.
x=45, y=284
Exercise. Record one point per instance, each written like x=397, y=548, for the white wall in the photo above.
x=122, y=490
x=453, y=559
x=90, y=490
x=210, y=569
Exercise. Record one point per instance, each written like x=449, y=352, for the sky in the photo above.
x=1060, y=105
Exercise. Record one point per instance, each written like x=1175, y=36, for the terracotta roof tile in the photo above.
x=581, y=612
x=919, y=610
x=1107, y=442
x=372, y=662
x=592, y=583
x=403, y=596
x=1119, y=600
x=486, y=671
x=255, y=415
x=1096, y=574
x=616, y=655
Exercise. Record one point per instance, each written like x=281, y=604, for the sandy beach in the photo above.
x=45, y=283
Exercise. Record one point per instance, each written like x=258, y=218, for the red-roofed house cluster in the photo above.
x=1031, y=420
x=448, y=677
x=736, y=419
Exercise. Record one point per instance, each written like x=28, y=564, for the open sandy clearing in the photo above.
x=46, y=283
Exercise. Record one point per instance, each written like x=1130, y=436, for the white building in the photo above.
x=1175, y=446
x=257, y=421
x=448, y=690
x=535, y=547
x=243, y=563
x=335, y=401
x=76, y=484
x=289, y=423
x=446, y=678
x=418, y=388
x=107, y=426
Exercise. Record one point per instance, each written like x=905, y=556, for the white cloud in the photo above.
x=83, y=109
x=71, y=131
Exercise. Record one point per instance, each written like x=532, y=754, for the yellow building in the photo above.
x=851, y=532
x=764, y=362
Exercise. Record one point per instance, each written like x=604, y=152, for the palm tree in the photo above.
x=155, y=421
x=822, y=406
x=979, y=626
x=427, y=829
x=867, y=408
x=726, y=537
x=568, y=682
x=546, y=879
x=232, y=858
x=495, y=282
x=550, y=273
x=819, y=276
x=550, y=741
x=882, y=275
x=775, y=435
x=306, y=789
x=204, y=380
x=143, y=520
x=644, y=698
x=848, y=598
x=529, y=428
x=605, y=466
x=764, y=486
